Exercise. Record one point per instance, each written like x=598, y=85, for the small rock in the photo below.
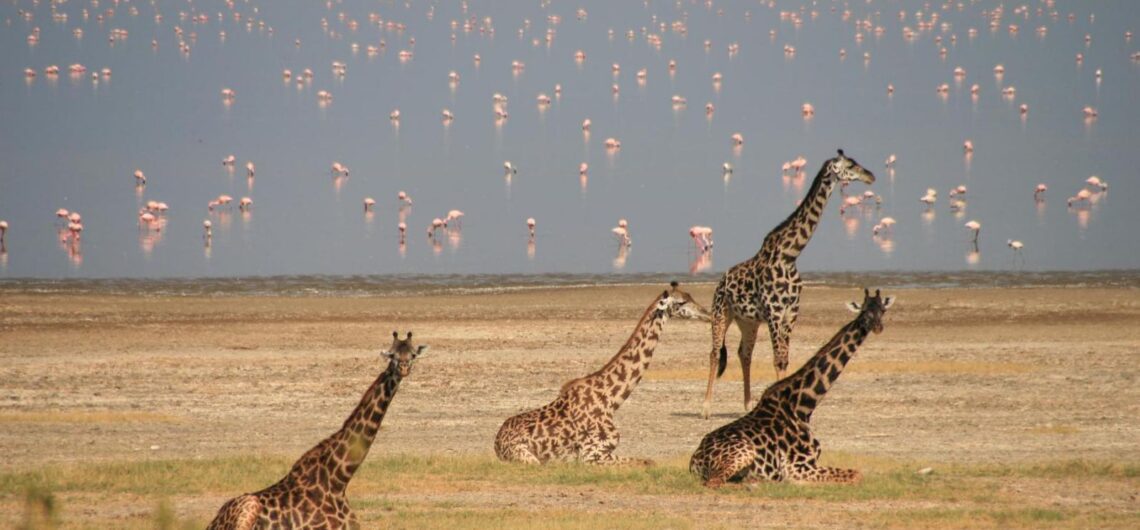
x=154, y=448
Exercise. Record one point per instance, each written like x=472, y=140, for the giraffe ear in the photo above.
x=888, y=301
x=854, y=307
x=421, y=349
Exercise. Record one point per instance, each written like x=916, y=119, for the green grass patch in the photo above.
x=952, y=518
x=433, y=516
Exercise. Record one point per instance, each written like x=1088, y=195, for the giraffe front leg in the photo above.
x=780, y=333
x=599, y=443
x=748, y=333
x=718, y=357
x=721, y=462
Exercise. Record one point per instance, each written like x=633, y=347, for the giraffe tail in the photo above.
x=722, y=362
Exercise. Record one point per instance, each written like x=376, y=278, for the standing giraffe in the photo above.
x=579, y=423
x=774, y=441
x=312, y=494
x=766, y=287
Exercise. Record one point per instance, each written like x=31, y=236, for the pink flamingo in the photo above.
x=3, y=230
x=146, y=219
x=612, y=144
x=709, y=109
x=405, y=198
x=61, y=214
x=140, y=178
x=960, y=190
x=976, y=227
x=586, y=125
x=1083, y=195
x=1096, y=183
x=583, y=169
x=403, y=228
x=968, y=147
x=369, y=202
x=229, y=161
x=75, y=217
x=891, y=160
x=886, y=226
x=454, y=216
x=245, y=204
x=737, y=139
x=622, y=232
x=394, y=116
x=702, y=237
x=1039, y=192
x=808, y=110
x=849, y=202
x=339, y=169
x=530, y=226
x=250, y=169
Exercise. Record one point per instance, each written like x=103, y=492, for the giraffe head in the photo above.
x=677, y=303
x=871, y=310
x=846, y=169
x=402, y=354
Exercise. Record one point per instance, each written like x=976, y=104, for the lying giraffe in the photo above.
x=766, y=287
x=579, y=423
x=312, y=494
x=774, y=441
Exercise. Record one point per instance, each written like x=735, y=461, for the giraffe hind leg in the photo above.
x=832, y=475
x=748, y=329
x=239, y=513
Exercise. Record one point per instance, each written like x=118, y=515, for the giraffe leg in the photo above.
x=725, y=461
x=780, y=333
x=240, y=513
x=804, y=473
x=748, y=329
x=599, y=443
x=720, y=322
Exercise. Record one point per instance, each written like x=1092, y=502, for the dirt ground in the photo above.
x=962, y=376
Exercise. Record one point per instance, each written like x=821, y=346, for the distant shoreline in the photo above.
x=459, y=284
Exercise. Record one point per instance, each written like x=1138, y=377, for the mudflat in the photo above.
x=1024, y=399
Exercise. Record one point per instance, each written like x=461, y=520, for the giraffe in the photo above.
x=579, y=423
x=766, y=287
x=312, y=494
x=774, y=441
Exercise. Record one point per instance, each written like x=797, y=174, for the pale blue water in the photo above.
x=72, y=143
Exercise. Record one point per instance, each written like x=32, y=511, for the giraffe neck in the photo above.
x=791, y=236
x=624, y=371
x=336, y=459
x=807, y=386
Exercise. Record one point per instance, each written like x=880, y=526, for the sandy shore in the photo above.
x=958, y=376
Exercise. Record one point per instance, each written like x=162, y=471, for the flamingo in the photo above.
x=1039, y=192
x=702, y=237
x=727, y=169
x=454, y=216
x=1015, y=245
x=394, y=115
x=1083, y=195
x=622, y=232
x=586, y=125
x=369, y=202
x=891, y=160
x=75, y=217
x=737, y=139
x=849, y=202
x=583, y=169
x=3, y=229
x=245, y=204
x=930, y=198
x=208, y=229
x=960, y=190
x=968, y=147
x=229, y=161
x=250, y=169
x=886, y=226
x=436, y=224
x=61, y=214
x=403, y=228
x=808, y=110
x=339, y=169
x=509, y=168
x=530, y=225
x=1096, y=183
x=146, y=218
x=976, y=227
x=140, y=178
x=405, y=198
